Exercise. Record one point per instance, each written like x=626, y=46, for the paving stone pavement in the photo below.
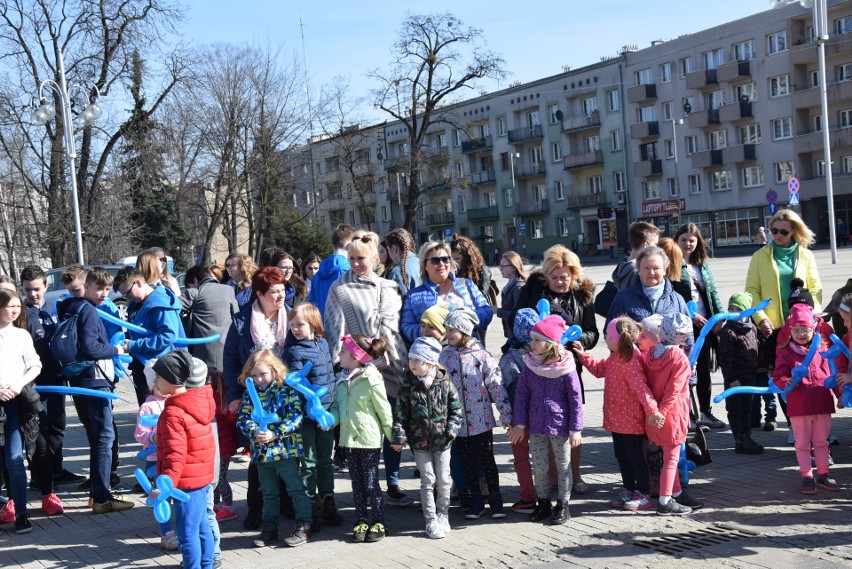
x=754, y=497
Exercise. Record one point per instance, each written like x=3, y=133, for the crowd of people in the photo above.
x=390, y=341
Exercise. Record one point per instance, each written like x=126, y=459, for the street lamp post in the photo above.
x=675, y=122
x=512, y=156
x=820, y=18
x=45, y=113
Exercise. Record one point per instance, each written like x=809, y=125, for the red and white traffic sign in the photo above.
x=793, y=185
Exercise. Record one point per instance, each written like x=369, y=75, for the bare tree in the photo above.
x=437, y=58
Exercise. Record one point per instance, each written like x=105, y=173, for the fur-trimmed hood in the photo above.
x=537, y=282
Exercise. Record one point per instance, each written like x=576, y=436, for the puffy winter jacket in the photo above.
x=551, y=406
x=362, y=410
x=738, y=351
x=299, y=352
x=668, y=378
x=284, y=401
x=238, y=347
x=427, y=419
x=809, y=397
x=186, y=448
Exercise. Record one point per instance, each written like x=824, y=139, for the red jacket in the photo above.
x=668, y=378
x=627, y=400
x=822, y=328
x=226, y=428
x=809, y=397
x=185, y=446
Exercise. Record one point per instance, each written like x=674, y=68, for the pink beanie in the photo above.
x=550, y=329
x=801, y=315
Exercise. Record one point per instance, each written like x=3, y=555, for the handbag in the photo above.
x=604, y=299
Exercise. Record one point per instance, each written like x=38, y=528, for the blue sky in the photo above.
x=535, y=38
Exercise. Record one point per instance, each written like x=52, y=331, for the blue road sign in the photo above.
x=771, y=196
x=448, y=232
x=794, y=199
x=773, y=207
x=523, y=228
x=793, y=185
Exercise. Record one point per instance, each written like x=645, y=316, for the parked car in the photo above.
x=55, y=290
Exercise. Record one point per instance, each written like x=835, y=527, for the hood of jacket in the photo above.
x=68, y=306
x=330, y=269
x=537, y=286
x=197, y=403
x=160, y=297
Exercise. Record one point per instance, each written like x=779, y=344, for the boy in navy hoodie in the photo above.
x=331, y=268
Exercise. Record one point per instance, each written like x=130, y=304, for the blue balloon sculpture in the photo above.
x=149, y=420
x=572, y=333
x=120, y=361
x=160, y=504
x=751, y=389
x=801, y=370
x=684, y=465
x=66, y=390
x=258, y=415
x=143, y=332
x=315, y=410
x=719, y=316
x=543, y=308
x=146, y=452
x=831, y=355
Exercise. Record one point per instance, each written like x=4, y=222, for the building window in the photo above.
x=501, y=126
x=385, y=213
x=669, y=146
x=843, y=72
x=843, y=25
x=592, y=143
x=487, y=231
x=746, y=92
x=559, y=189
x=652, y=190
x=616, y=138
x=507, y=197
x=817, y=120
x=721, y=181
x=648, y=151
x=457, y=138
x=744, y=51
x=714, y=99
x=690, y=142
x=457, y=165
x=613, y=100
x=717, y=139
x=491, y=199
x=536, y=155
x=846, y=164
x=537, y=229
x=784, y=171
x=551, y=111
x=590, y=105
x=595, y=184
x=685, y=66
x=782, y=128
x=667, y=110
x=671, y=183
x=694, y=183
x=738, y=226
x=777, y=42
x=749, y=134
x=646, y=114
x=779, y=86
x=556, y=151
x=462, y=204
x=713, y=59
x=644, y=76
x=618, y=181
x=563, y=226
x=845, y=118
x=819, y=168
x=752, y=176
x=665, y=73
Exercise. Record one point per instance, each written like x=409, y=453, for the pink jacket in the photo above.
x=627, y=398
x=145, y=435
x=809, y=397
x=668, y=378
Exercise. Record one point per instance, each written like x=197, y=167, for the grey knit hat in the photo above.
x=175, y=367
x=199, y=374
x=462, y=319
x=426, y=350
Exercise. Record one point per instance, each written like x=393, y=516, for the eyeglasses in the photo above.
x=440, y=260
x=776, y=231
x=286, y=269
x=506, y=267
x=133, y=284
x=164, y=260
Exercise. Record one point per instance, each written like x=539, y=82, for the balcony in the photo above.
x=703, y=119
x=532, y=207
x=736, y=111
x=807, y=97
x=435, y=152
x=812, y=141
x=644, y=129
x=437, y=186
x=520, y=135
x=477, y=145
x=398, y=195
x=576, y=124
x=483, y=213
x=582, y=160
x=738, y=154
x=642, y=93
x=806, y=52
x=585, y=200
x=701, y=78
x=648, y=168
x=733, y=70
x=483, y=177
x=707, y=158
x=815, y=187
x=446, y=218
x=396, y=164
x=529, y=169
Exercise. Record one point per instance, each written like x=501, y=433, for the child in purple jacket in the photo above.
x=548, y=404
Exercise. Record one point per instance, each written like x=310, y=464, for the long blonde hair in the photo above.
x=801, y=232
x=517, y=263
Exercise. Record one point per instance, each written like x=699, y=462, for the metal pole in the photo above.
x=821, y=28
x=674, y=150
x=70, y=153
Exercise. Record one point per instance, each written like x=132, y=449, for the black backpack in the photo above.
x=65, y=346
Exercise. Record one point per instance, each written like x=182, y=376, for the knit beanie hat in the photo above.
x=741, y=300
x=426, y=350
x=525, y=319
x=801, y=315
x=652, y=324
x=175, y=367
x=462, y=319
x=799, y=294
x=675, y=329
x=550, y=329
x=434, y=317
x=199, y=374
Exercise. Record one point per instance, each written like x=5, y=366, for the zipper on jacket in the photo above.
x=327, y=366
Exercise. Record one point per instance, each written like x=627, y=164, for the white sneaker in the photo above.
x=444, y=521
x=169, y=542
x=434, y=530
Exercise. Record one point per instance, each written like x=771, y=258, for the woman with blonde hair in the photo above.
x=241, y=269
x=512, y=268
x=406, y=264
x=165, y=274
x=152, y=268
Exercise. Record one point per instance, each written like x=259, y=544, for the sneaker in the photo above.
x=523, y=507
x=808, y=485
x=7, y=514
x=225, y=513
x=686, y=499
x=301, y=535
x=833, y=440
x=434, y=530
x=252, y=521
x=560, y=514
x=112, y=505
x=51, y=505
x=543, y=510
x=693, y=426
x=359, y=532
x=710, y=421
x=22, y=524
x=244, y=456
x=268, y=535
x=444, y=522
x=169, y=542
x=639, y=502
x=622, y=498
x=770, y=426
x=672, y=508
x=68, y=477
x=396, y=497
x=377, y=532
x=827, y=482
x=477, y=507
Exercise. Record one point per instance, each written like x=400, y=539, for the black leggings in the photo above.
x=478, y=451
x=704, y=386
x=631, y=462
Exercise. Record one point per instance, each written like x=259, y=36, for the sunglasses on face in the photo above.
x=783, y=232
x=440, y=260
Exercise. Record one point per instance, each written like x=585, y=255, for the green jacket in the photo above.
x=362, y=410
x=684, y=288
x=283, y=401
x=427, y=419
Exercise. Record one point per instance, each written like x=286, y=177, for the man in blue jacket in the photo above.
x=331, y=268
x=157, y=310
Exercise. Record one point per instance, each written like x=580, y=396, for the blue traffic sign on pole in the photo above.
x=771, y=196
x=448, y=232
x=793, y=185
x=794, y=199
x=773, y=207
x=523, y=228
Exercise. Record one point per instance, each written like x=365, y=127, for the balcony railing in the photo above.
x=483, y=177
x=738, y=154
x=532, y=207
x=528, y=169
x=441, y=219
x=701, y=78
x=434, y=153
x=483, y=213
x=582, y=122
x=585, y=200
x=736, y=111
x=648, y=168
x=644, y=129
x=707, y=158
x=702, y=119
x=640, y=93
x=477, y=144
x=523, y=134
x=731, y=70
x=582, y=160
x=392, y=164
x=436, y=186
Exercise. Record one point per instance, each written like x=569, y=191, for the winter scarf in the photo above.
x=262, y=331
x=552, y=369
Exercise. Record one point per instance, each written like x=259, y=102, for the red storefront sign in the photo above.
x=665, y=206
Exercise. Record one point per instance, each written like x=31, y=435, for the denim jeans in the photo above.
x=214, y=525
x=12, y=457
x=391, y=457
x=195, y=537
x=47, y=460
x=99, y=413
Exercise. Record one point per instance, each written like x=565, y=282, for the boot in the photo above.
x=477, y=506
x=330, y=516
x=753, y=446
x=745, y=445
x=301, y=536
x=543, y=510
x=560, y=514
x=316, y=516
x=495, y=502
x=268, y=535
x=464, y=501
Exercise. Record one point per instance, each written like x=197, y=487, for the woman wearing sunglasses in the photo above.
x=441, y=286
